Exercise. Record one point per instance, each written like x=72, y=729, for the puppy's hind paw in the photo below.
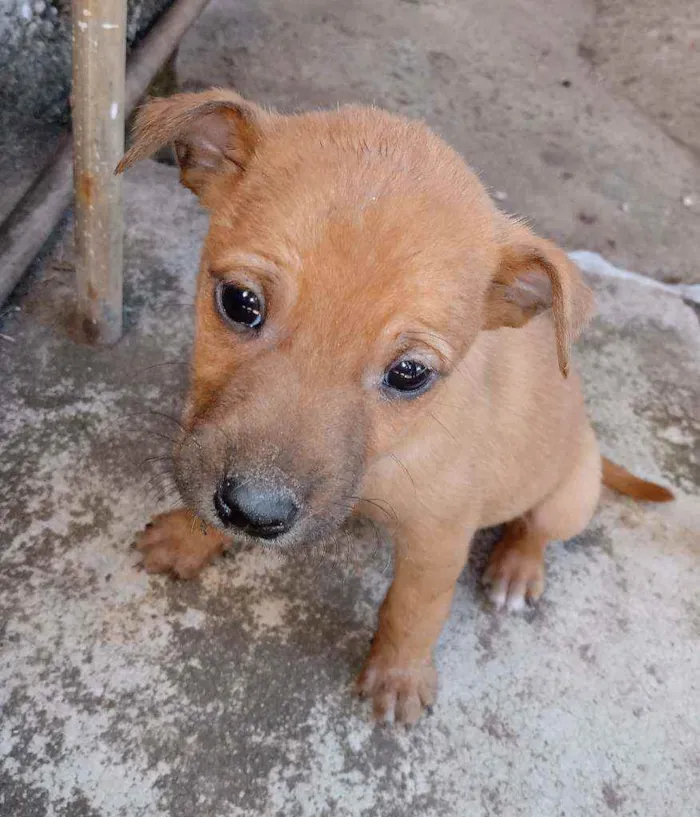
x=513, y=579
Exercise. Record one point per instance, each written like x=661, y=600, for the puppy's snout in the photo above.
x=255, y=507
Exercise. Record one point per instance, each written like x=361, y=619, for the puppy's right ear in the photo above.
x=214, y=132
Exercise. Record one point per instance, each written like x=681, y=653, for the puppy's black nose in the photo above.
x=255, y=507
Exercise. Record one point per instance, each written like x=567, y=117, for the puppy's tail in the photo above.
x=620, y=480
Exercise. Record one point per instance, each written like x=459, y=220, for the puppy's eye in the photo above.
x=408, y=376
x=240, y=306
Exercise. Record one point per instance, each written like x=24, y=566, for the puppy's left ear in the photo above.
x=534, y=276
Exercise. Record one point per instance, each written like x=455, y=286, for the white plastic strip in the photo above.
x=596, y=264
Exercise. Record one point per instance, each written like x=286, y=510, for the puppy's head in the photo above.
x=351, y=260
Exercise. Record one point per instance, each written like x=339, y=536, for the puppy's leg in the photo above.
x=515, y=572
x=399, y=674
x=179, y=543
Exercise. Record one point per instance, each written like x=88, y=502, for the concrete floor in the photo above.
x=124, y=696
x=530, y=91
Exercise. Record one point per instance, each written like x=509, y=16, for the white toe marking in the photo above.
x=516, y=603
x=497, y=594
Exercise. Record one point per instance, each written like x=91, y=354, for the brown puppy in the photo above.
x=373, y=333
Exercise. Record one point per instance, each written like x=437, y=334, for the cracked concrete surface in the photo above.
x=123, y=695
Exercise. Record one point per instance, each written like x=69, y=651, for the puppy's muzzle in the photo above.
x=256, y=507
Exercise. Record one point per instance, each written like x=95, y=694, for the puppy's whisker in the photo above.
x=163, y=363
x=167, y=457
x=407, y=472
x=342, y=506
x=443, y=426
x=378, y=537
x=159, y=483
x=171, y=496
x=165, y=416
x=160, y=488
x=168, y=417
x=160, y=479
x=159, y=475
x=146, y=413
x=163, y=436
x=379, y=504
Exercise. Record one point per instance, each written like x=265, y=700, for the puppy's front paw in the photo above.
x=399, y=692
x=179, y=544
x=513, y=576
